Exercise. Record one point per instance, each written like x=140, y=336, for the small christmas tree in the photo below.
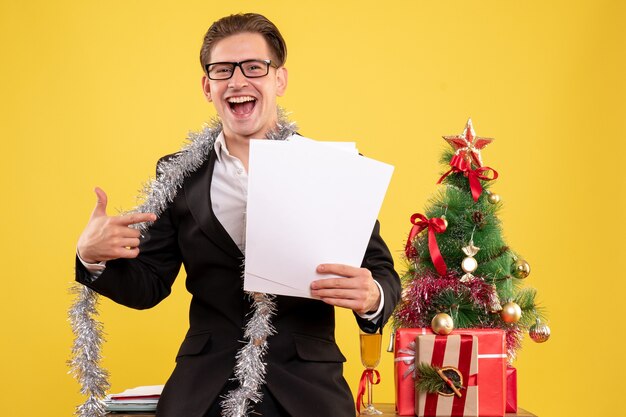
x=460, y=270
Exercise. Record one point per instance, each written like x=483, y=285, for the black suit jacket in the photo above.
x=304, y=364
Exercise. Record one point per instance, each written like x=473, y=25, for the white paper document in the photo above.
x=308, y=203
x=143, y=391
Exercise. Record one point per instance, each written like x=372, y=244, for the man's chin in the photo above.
x=250, y=127
x=244, y=132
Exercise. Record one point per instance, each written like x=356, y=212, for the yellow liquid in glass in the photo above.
x=370, y=349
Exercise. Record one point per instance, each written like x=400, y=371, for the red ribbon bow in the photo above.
x=461, y=164
x=434, y=225
x=367, y=374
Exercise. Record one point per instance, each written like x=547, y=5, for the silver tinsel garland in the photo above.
x=250, y=368
x=88, y=332
x=85, y=362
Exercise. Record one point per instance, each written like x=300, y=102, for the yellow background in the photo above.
x=92, y=93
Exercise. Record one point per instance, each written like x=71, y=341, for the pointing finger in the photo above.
x=135, y=218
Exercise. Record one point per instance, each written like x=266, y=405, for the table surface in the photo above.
x=387, y=409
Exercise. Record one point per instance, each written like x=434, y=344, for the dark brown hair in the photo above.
x=241, y=23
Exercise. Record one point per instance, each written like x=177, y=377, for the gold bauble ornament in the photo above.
x=493, y=198
x=539, y=332
x=521, y=269
x=442, y=324
x=445, y=222
x=511, y=312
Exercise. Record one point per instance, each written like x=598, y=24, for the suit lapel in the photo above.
x=198, y=196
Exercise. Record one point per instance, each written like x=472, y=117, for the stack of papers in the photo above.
x=309, y=203
x=135, y=399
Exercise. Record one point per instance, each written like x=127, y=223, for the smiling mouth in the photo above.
x=241, y=105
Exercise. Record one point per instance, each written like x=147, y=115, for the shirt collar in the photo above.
x=220, y=146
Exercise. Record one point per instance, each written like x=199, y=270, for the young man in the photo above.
x=203, y=226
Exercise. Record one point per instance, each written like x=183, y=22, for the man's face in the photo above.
x=247, y=106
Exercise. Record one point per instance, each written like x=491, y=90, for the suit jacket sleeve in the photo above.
x=380, y=263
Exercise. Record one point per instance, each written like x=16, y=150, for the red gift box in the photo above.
x=459, y=352
x=511, y=390
x=491, y=365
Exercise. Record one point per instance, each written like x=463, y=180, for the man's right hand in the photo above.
x=105, y=238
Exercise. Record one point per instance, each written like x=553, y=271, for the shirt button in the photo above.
x=239, y=171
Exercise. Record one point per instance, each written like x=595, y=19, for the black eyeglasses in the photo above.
x=251, y=68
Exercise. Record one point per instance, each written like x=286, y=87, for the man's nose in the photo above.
x=238, y=80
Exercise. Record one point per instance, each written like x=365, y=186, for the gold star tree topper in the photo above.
x=468, y=144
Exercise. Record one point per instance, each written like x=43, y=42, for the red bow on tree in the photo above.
x=434, y=225
x=462, y=164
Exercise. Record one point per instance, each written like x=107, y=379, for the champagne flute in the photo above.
x=370, y=356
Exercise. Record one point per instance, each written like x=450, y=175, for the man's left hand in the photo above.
x=356, y=290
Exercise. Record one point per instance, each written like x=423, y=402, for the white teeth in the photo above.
x=240, y=99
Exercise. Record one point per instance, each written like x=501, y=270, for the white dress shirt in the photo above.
x=229, y=193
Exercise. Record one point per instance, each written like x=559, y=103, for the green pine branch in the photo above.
x=460, y=307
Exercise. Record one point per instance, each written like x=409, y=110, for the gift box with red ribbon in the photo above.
x=491, y=365
x=511, y=390
x=455, y=358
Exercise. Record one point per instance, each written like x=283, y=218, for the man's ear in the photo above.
x=206, y=88
x=281, y=81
